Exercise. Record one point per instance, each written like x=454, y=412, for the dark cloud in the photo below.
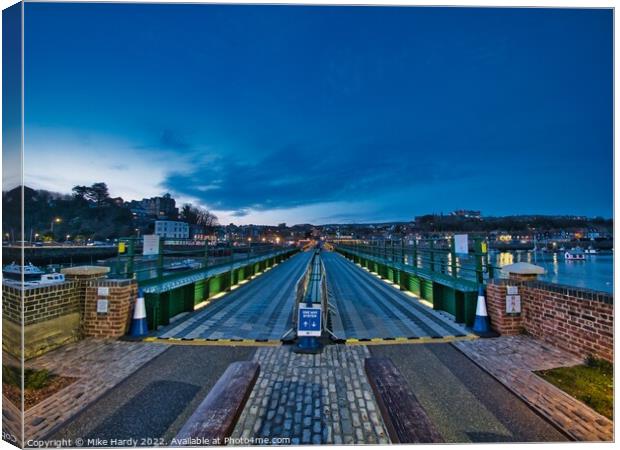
x=300, y=176
x=167, y=140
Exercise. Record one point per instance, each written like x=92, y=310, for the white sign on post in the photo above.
x=309, y=321
x=151, y=245
x=102, y=306
x=461, y=245
x=513, y=304
x=512, y=290
x=103, y=291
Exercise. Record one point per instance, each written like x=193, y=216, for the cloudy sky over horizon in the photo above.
x=323, y=114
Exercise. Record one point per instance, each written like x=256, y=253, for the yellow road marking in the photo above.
x=216, y=342
x=403, y=340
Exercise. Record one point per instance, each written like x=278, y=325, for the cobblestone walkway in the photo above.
x=512, y=360
x=99, y=365
x=312, y=399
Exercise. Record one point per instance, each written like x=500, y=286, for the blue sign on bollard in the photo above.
x=309, y=321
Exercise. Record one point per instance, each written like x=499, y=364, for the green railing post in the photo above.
x=118, y=258
x=415, y=253
x=130, y=254
x=478, y=253
x=160, y=258
x=403, y=256
x=393, y=250
x=452, y=257
x=432, y=251
x=206, y=253
x=485, y=250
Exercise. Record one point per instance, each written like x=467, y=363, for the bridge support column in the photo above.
x=396, y=274
x=437, y=296
x=426, y=289
x=403, y=280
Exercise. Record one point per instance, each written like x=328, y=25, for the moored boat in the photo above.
x=29, y=272
x=32, y=275
x=575, y=254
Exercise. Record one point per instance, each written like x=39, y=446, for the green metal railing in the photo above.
x=180, y=256
x=429, y=268
x=437, y=256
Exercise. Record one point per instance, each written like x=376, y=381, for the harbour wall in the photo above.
x=53, y=315
x=579, y=321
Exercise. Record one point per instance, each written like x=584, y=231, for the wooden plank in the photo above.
x=404, y=417
x=215, y=418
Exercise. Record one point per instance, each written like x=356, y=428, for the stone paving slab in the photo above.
x=99, y=365
x=11, y=421
x=312, y=399
x=512, y=360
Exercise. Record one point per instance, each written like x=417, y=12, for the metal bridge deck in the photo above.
x=368, y=308
x=261, y=309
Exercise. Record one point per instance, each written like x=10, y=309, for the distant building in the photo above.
x=118, y=201
x=154, y=207
x=161, y=206
x=467, y=213
x=139, y=213
x=171, y=229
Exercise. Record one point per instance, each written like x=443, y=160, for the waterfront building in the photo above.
x=172, y=229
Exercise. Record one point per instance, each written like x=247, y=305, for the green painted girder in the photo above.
x=460, y=284
x=175, y=280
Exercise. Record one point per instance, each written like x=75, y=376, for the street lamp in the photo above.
x=55, y=220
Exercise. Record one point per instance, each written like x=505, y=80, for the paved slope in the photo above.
x=259, y=309
x=463, y=401
x=155, y=401
x=369, y=308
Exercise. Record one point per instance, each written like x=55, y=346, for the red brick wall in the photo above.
x=577, y=320
x=496, y=309
x=116, y=321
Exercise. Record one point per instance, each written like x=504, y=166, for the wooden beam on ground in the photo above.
x=404, y=417
x=215, y=418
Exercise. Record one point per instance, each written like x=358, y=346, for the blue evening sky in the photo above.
x=268, y=114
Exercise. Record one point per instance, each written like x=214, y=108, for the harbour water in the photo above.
x=596, y=272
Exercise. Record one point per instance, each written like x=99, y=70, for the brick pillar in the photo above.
x=83, y=275
x=501, y=322
x=120, y=296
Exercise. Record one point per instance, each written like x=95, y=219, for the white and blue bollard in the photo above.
x=482, y=326
x=139, y=326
